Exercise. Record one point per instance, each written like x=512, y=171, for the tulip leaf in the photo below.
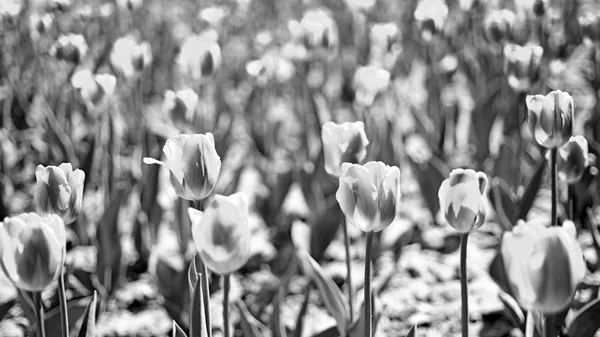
x=176, y=331
x=412, y=332
x=302, y=313
x=358, y=327
x=88, y=320
x=325, y=227
x=506, y=164
x=498, y=273
x=531, y=189
x=76, y=309
x=276, y=324
x=183, y=224
x=198, y=326
x=585, y=322
x=512, y=309
x=193, y=274
x=247, y=321
x=6, y=306
x=171, y=278
x=335, y=300
x=430, y=175
x=329, y=332
x=505, y=202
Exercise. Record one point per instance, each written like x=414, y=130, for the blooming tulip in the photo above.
x=59, y=190
x=222, y=234
x=181, y=106
x=343, y=143
x=573, y=159
x=70, y=48
x=498, y=25
x=522, y=65
x=130, y=57
x=200, y=57
x=39, y=24
x=193, y=163
x=10, y=10
x=370, y=81
x=384, y=50
x=463, y=199
x=271, y=66
x=369, y=194
x=319, y=28
x=431, y=16
x=543, y=265
x=95, y=90
x=590, y=27
x=550, y=118
x=32, y=250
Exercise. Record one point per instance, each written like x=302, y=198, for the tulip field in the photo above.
x=300, y=168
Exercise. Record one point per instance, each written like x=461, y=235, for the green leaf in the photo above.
x=324, y=227
x=76, y=309
x=6, y=306
x=88, y=320
x=498, y=273
x=358, y=327
x=176, y=331
x=171, y=279
x=505, y=202
x=585, y=323
x=198, y=326
x=330, y=332
x=531, y=190
x=247, y=321
x=512, y=309
x=335, y=301
x=302, y=313
x=276, y=323
x=193, y=274
x=412, y=332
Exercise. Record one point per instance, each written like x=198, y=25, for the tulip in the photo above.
x=59, y=190
x=95, y=90
x=193, y=163
x=213, y=15
x=10, y=10
x=431, y=16
x=200, y=57
x=343, y=143
x=70, y=48
x=543, y=265
x=550, y=118
x=573, y=159
x=32, y=250
x=222, y=234
x=369, y=194
x=590, y=27
x=181, y=106
x=370, y=81
x=384, y=50
x=129, y=5
x=319, y=29
x=463, y=199
x=271, y=66
x=39, y=25
x=498, y=25
x=522, y=65
x=130, y=57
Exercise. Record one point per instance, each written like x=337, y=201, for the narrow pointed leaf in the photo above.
x=197, y=319
x=88, y=320
x=192, y=274
x=302, y=313
x=531, y=190
x=412, y=332
x=586, y=322
x=512, y=309
x=504, y=202
x=247, y=321
x=176, y=331
x=358, y=327
x=276, y=323
x=6, y=306
x=76, y=309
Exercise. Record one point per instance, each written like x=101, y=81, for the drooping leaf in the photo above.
x=334, y=299
x=533, y=186
x=88, y=320
x=276, y=323
x=585, y=323
x=198, y=326
x=176, y=331
x=247, y=321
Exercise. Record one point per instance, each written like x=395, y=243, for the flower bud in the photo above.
x=32, y=250
x=95, y=90
x=181, y=106
x=431, y=16
x=343, y=143
x=463, y=199
x=193, y=163
x=369, y=82
x=130, y=57
x=522, y=65
x=550, y=118
x=222, y=234
x=70, y=48
x=572, y=159
x=543, y=266
x=59, y=190
x=199, y=58
x=369, y=194
x=498, y=25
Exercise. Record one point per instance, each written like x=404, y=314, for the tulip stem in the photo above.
x=64, y=315
x=226, y=284
x=206, y=298
x=464, y=294
x=553, y=153
x=39, y=313
x=348, y=268
x=570, y=202
x=367, y=288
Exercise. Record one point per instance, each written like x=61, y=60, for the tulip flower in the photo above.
x=590, y=27
x=431, y=16
x=463, y=199
x=130, y=57
x=522, y=65
x=370, y=81
x=550, y=118
x=213, y=15
x=319, y=28
x=543, y=265
x=59, y=190
x=70, y=48
x=271, y=66
x=10, y=10
x=39, y=25
x=95, y=90
x=200, y=57
x=181, y=106
x=32, y=250
x=222, y=234
x=193, y=163
x=129, y=5
x=384, y=50
x=573, y=159
x=498, y=24
x=369, y=194
x=343, y=143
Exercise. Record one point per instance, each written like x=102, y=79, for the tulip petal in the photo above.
x=173, y=150
x=388, y=199
x=362, y=185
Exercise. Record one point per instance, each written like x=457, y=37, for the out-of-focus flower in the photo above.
x=522, y=65
x=222, y=234
x=468, y=5
x=130, y=57
x=343, y=143
x=384, y=49
x=70, y=48
x=554, y=27
x=60, y=5
x=95, y=90
x=106, y=10
x=193, y=163
x=498, y=25
x=572, y=159
x=39, y=25
x=271, y=66
x=200, y=57
x=59, y=190
x=317, y=29
x=550, y=118
x=590, y=27
x=213, y=15
x=130, y=5
x=463, y=199
x=32, y=250
x=370, y=81
x=10, y=10
x=369, y=195
x=181, y=106
x=431, y=16
x=543, y=266
x=361, y=5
